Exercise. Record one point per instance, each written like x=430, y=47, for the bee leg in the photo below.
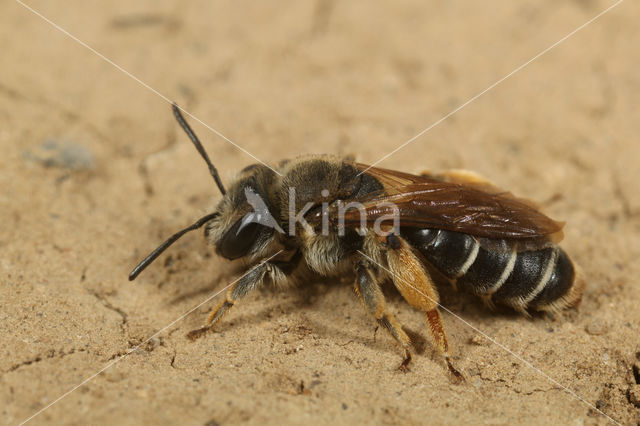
x=416, y=287
x=244, y=285
x=369, y=291
x=439, y=335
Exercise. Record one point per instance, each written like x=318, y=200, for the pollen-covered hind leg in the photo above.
x=416, y=287
x=250, y=281
x=369, y=291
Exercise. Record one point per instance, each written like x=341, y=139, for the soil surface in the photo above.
x=95, y=173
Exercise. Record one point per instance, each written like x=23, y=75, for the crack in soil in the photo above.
x=143, y=167
x=108, y=305
x=50, y=354
x=517, y=390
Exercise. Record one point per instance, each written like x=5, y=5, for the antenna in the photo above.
x=203, y=220
x=187, y=129
x=162, y=247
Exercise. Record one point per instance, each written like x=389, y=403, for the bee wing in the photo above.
x=481, y=210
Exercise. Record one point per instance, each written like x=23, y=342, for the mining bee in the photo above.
x=330, y=217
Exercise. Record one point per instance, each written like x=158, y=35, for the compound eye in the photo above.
x=240, y=237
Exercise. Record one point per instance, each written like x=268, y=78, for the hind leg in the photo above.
x=370, y=294
x=415, y=285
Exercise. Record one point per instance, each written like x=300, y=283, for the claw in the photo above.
x=404, y=367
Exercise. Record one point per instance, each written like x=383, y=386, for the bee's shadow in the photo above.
x=302, y=298
x=305, y=297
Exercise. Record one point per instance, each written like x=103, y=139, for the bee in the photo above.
x=325, y=216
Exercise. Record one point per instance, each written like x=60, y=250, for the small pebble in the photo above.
x=63, y=154
x=478, y=340
x=597, y=328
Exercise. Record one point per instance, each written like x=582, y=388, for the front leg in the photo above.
x=253, y=279
x=368, y=288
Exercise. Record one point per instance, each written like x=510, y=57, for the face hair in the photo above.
x=162, y=247
x=187, y=129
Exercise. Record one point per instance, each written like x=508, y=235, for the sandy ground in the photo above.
x=95, y=173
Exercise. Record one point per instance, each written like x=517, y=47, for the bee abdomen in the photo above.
x=542, y=279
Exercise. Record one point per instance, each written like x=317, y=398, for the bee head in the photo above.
x=242, y=224
x=245, y=224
